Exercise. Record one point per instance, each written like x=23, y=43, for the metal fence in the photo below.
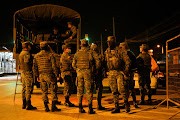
x=173, y=70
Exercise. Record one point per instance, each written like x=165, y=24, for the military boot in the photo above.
x=29, y=106
x=46, y=106
x=91, y=111
x=116, y=110
x=54, y=108
x=142, y=101
x=58, y=102
x=135, y=102
x=81, y=110
x=149, y=100
x=68, y=103
x=135, y=105
x=24, y=104
x=127, y=107
x=100, y=107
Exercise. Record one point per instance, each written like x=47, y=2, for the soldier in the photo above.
x=73, y=30
x=82, y=63
x=98, y=77
x=118, y=74
x=44, y=68
x=132, y=69
x=26, y=62
x=66, y=73
x=70, y=34
x=144, y=67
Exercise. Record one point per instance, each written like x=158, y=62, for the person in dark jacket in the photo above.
x=144, y=67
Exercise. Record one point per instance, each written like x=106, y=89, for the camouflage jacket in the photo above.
x=44, y=62
x=117, y=59
x=25, y=61
x=73, y=31
x=65, y=62
x=84, y=59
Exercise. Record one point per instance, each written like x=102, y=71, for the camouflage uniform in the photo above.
x=82, y=63
x=118, y=84
x=131, y=71
x=26, y=62
x=116, y=76
x=66, y=73
x=144, y=67
x=44, y=67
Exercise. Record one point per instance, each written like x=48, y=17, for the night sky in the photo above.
x=131, y=16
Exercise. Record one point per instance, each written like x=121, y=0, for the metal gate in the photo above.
x=173, y=70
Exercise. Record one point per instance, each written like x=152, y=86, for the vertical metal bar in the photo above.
x=78, y=39
x=167, y=93
x=79, y=35
x=14, y=37
x=114, y=29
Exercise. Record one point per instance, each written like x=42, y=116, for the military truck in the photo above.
x=36, y=24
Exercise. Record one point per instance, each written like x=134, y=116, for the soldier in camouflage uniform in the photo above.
x=98, y=77
x=26, y=62
x=44, y=68
x=118, y=74
x=144, y=67
x=123, y=46
x=82, y=63
x=66, y=73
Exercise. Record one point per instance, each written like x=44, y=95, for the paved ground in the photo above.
x=10, y=110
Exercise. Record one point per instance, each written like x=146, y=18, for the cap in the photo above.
x=84, y=42
x=144, y=47
x=65, y=47
x=123, y=44
x=25, y=44
x=111, y=38
x=93, y=47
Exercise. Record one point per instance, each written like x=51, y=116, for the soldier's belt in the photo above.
x=45, y=72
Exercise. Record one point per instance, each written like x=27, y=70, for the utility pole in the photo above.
x=114, y=30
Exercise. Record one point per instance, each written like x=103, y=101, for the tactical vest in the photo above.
x=84, y=59
x=44, y=63
x=113, y=60
x=64, y=64
x=25, y=61
x=146, y=59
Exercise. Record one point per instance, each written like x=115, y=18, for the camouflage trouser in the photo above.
x=84, y=78
x=118, y=85
x=144, y=83
x=131, y=86
x=27, y=82
x=48, y=80
x=68, y=87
